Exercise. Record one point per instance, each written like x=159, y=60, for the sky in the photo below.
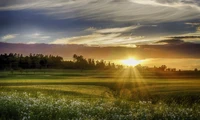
x=102, y=23
x=98, y=22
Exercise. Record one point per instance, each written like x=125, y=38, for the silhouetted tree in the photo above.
x=162, y=68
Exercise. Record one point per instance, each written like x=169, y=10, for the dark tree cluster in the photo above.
x=155, y=69
x=79, y=62
x=38, y=61
x=33, y=61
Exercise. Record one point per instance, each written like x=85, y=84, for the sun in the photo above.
x=131, y=62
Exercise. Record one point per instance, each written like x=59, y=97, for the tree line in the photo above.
x=39, y=61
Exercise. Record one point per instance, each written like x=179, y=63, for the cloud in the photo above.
x=185, y=37
x=26, y=38
x=193, y=23
x=114, y=39
x=169, y=3
x=193, y=37
x=188, y=39
x=151, y=11
x=91, y=29
x=198, y=29
x=31, y=42
x=173, y=41
x=116, y=30
x=39, y=36
x=107, y=36
x=93, y=39
x=9, y=36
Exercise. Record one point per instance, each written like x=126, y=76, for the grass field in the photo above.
x=99, y=94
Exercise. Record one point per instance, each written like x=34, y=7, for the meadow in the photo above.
x=99, y=94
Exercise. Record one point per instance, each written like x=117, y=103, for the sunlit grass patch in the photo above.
x=76, y=90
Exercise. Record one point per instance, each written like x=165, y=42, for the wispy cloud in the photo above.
x=152, y=11
x=87, y=39
x=38, y=36
x=169, y=3
x=193, y=35
x=193, y=23
x=107, y=37
x=117, y=30
x=9, y=36
x=26, y=38
x=173, y=41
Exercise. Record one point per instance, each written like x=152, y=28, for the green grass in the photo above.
x=108, y=94
x=39, y=105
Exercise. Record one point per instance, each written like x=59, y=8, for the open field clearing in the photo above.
x=57, y=94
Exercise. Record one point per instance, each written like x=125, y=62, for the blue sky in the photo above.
x=99, y=22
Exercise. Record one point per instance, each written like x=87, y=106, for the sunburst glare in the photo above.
x=131, y=62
